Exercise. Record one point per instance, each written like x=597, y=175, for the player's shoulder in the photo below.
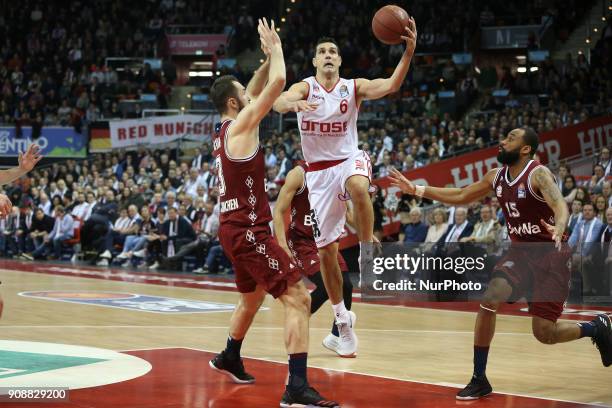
x=295, y=177
x=494, y=174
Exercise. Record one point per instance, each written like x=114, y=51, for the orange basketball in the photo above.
x=389, y=24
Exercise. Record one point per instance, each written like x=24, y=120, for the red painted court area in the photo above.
x=182, y=378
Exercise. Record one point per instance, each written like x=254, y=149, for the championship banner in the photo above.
x=54, y=141
x=579, y=140
x=161, y=129
x=195, y=44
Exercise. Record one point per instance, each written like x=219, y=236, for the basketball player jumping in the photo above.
x=300, y=244
x=26, y=161
x=260, y=264
x=536, y=212
x=337, y=169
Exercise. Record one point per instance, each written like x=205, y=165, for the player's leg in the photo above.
x=498, y=291
x=330, y=272
x=329, y=218
x=358, y=187
x=229, y=361
x=549, y=331
x=298, y=392
x=356, y=181
x=319, y=296
x=334, y=283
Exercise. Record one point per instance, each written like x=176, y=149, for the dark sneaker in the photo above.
x=308, y=397
x=477, y=388
x=603, y=338
x=232, y=368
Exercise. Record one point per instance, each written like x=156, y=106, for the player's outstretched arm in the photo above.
x=293, y=182
x=27, y=161
x=260, y=77
x=293, y=100
x=455, y=196
x=249, y=118
x=543, y=181
x=378, y=88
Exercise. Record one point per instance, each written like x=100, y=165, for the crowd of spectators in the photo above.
x=53, y=54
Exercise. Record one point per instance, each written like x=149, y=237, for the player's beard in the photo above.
x=508, y=157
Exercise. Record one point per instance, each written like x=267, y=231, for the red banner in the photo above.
x=581, y=140
x=195, y=44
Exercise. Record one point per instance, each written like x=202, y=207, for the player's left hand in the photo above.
x=32, y=156
x=5, y=206
x=398, y=180
x=411, y=35
x=556, y=232
x=267, y=35
x=265, y=50
x=303, y=106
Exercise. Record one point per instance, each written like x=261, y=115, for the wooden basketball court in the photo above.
x=408, y=356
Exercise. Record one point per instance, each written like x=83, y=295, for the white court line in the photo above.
x=442, y=384
x=254, y=328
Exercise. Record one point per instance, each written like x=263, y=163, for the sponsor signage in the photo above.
x=161, y=129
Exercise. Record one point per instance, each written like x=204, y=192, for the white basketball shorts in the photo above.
x=327, y=195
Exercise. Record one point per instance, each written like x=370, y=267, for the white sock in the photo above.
x=340, y=311
x=366, y=248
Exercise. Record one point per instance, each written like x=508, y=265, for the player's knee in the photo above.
x=544, y=334
x=357, y=187
x=299, y=299
x=327, y=256
x=497, y=292
x=490, y=300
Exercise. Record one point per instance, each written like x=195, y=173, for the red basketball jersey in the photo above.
x=242, y=185
x=301, y=215
x=523, y=208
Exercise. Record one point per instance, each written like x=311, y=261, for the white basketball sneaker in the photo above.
x=330, y=342
x=347, y=342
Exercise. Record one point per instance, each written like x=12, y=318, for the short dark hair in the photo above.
x=530, y=138
x=322, y=40
x=221, y=90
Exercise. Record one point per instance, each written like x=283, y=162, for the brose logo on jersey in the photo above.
x=323, y=127
x=524, y=229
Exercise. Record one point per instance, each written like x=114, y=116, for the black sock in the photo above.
x=587, y=329
x=233, y=348
x=297, y=371
x=480, y=360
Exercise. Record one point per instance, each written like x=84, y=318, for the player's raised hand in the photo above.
x=5, y=206
x=267, y=34
x=303, y=106
x=265, y=50
x=556, y=232
x=32, y=156
x=398, y=180
x=411, y=35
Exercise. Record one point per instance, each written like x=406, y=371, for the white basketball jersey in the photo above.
x=330, y=131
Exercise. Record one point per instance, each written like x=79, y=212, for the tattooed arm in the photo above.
x=544, y=182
